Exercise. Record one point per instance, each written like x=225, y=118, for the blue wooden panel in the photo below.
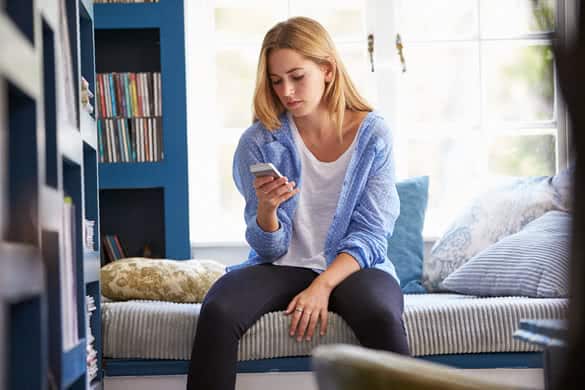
x=132, y=175
x=490, y=360
x=90, y=190
x=172, y=46
x=142, y=15
x=23, y=175
x=27, y=365
x=87, y=47
x=74, y=364
x=128, y=367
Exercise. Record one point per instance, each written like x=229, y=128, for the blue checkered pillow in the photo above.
x=533, y=262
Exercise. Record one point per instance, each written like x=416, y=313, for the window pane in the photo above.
x=518, y=82
x=440, y=86
x=456, y=172
x=236, y=77
x=343, y=19
x=437, y=19
x=247, y=21
x=523, y=155
x=512, y=17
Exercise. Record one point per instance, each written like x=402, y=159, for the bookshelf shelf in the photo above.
x=73, y=363
x=88, y=126
x=70, y=143
x=148, y=37
x=45, y=158
x=91, y=266
x=21, y=66
x=21, y=271
x=120, y=15
x=133, y=175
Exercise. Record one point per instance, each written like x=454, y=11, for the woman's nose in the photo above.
x=288, y=89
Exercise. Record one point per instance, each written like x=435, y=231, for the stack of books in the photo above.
x=88, y=242
x=129, y=117
x=92, y=358
x=112, y=247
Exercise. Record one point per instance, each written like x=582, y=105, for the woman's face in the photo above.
x=298, y=82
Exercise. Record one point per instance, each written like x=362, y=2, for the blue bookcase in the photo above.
x=146, y=203
x=43, y=158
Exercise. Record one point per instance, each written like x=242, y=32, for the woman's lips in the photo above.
x=294, y=104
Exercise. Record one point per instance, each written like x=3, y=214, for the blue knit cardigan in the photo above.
x=368, y=204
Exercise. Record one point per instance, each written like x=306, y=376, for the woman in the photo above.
x=319, y=245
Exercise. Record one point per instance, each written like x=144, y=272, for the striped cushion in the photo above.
x=533, y=262
x=435, y=324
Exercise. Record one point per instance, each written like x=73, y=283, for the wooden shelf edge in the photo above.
x=70, y=144
x=88, y=129
x=21, y=271
x=74, y=363
x=126, y=15
x=91, y=266
x=21, y=66
x=88, y=7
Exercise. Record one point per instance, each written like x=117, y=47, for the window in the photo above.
x=478, y=101
x=227, y=72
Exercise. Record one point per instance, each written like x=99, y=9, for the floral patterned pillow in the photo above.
x=159, y=279
x=492, y=216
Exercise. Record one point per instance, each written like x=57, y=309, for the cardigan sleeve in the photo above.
x=268, y=245
x=376, y=210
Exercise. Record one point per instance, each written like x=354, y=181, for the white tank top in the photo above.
x=318, y=196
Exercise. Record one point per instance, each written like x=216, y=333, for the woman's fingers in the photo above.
x=324, y=318
x=295, y=321
x=312, y=325
x=273, y=184
x=303, y=324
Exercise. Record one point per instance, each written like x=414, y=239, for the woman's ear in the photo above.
x=329, y=69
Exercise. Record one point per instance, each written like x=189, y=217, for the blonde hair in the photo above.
x=307, y=37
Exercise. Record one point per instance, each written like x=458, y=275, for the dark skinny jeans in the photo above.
x=370, y=301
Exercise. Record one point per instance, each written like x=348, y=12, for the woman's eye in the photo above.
x=274, y=82
x=297, y=78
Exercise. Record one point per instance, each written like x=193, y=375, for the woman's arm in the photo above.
x=268, y=243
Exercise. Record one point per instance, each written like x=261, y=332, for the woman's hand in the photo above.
x=271, y=193
x=306, y=308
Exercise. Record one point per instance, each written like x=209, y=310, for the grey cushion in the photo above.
x=533, y=262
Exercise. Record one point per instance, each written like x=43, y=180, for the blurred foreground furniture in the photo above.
x=347, y=367
x=551, y=335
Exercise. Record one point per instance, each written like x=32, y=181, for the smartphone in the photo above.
x=264, y=169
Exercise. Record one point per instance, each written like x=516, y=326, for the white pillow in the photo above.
x=490, y=217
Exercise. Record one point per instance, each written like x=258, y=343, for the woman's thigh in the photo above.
x=246, y=294
x=371, y=302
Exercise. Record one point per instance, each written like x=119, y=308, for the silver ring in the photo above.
x=299, y=309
